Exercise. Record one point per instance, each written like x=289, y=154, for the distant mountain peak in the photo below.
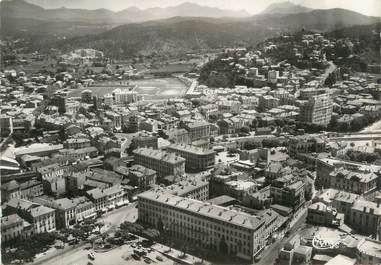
x=132, y=9
x=286, y=7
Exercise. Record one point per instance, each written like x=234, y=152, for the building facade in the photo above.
x=196, y=159
x=229, y=231
x=164, y=163
x=318, y=110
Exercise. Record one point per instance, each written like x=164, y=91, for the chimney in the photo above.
x=364, y=210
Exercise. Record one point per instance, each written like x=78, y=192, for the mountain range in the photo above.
x=23, y=9
x=285, y=8
x=171, y=31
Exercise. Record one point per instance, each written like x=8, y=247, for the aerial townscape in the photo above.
x=189, y=134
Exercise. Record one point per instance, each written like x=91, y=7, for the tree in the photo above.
x=152, y=234
x=245, y=129
x=252, y=145
x=232, y=150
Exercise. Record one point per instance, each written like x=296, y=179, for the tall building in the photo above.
x=273, y=76
x=108, y=100
x=198, y=130
x=124, y=96
x=267, y=102
x=86, y=96
x=60, y=102
x=226, y=230
x=197, y=159
x=318, y=110
x=288, y=191
x=164, y=163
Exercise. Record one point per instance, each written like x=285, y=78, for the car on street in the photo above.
x=258, y=258
x=91, y=256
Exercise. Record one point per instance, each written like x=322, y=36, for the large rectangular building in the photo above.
x=164, y=163
x=325, y=166
x=198, y=130
x=357, y=182
x=288, y=191
x=195, y=188
x=223, y=229
x=318, y=110
x=196, y=159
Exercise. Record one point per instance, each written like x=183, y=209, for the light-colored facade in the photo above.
x=142, y=177
x=42, y=218
x=85, y=209
x=321, y=214
x=194, y=188
x=288, y=191
x=198, y=130
x=362, y=183
x=107, y=198
x=325, y=166
x=164, y=163
x=365, y=217
x=12, y=226
x=196, y=159
x=369, y=252
x=229, y=231
x=76, y=143
x=124, y=96
x=318, y=110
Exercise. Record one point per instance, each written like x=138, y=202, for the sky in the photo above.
x=367, y=7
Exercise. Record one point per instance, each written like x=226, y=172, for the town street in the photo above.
x=74, y=253
x=271, y=253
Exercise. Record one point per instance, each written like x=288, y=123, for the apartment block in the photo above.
x=196, y=159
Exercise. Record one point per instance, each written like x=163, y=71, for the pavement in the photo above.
x=77, y=255
x=120, y=256
x=111, y=220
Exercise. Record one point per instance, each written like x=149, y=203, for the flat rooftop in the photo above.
x=205, y=209
x=190, y=149
x=160, y=155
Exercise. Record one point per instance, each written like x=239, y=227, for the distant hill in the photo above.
x=101, y=29
x=23, y=9
x=194, y=10
x=179, y=35
x=26, y=27
x=358, y=31
x=318, y=20
x=285, y=8
x=172, y=37
x=369, y=40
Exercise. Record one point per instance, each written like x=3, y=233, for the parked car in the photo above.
x=159, y=258
x=258, y=258
x=91, y=256
x=136, y=257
